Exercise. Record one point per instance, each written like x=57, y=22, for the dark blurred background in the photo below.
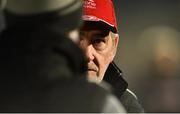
x=149, y=51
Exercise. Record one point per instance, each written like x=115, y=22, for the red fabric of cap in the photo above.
x=100, y=10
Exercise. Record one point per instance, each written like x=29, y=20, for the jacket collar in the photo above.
x=114, y=77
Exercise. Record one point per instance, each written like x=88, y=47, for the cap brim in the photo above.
x=96, y=19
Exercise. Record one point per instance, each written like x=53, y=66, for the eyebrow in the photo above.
x=101, y=34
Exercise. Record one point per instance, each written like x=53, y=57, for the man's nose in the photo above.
x=89, y=53
x=88, y=49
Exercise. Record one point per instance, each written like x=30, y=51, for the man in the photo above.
x=99, y=40
x=41, y=67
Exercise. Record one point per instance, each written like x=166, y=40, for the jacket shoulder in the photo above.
x=130, y=102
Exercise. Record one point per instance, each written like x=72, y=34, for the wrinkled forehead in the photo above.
x=95, y=26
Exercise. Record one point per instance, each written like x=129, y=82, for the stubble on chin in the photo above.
x=94, y=78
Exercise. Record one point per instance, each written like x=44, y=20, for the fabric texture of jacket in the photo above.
x=114, y=77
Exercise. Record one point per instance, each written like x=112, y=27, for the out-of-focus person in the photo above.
x=41, y=67
x=159, y=83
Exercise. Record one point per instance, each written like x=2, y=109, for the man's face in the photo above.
x=100, y=49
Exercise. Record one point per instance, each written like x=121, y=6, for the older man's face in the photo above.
x=100, y=49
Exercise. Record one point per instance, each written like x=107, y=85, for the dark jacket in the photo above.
x=113, y=76
x=42, y=71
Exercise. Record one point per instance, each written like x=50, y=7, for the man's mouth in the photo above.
x=91, y=69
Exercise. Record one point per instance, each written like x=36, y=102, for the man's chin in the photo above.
x=92, y=73
x=92, y=77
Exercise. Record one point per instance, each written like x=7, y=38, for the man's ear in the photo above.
x=115, y=45
x=116, y=40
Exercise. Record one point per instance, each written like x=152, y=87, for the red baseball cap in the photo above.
x=100, y=10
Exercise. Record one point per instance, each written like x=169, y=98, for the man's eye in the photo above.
x=99, y=44
x=98, y=41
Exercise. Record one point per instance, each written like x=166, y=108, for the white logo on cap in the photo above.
x=90, y=18
x=90, y=4
x=91, y=0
